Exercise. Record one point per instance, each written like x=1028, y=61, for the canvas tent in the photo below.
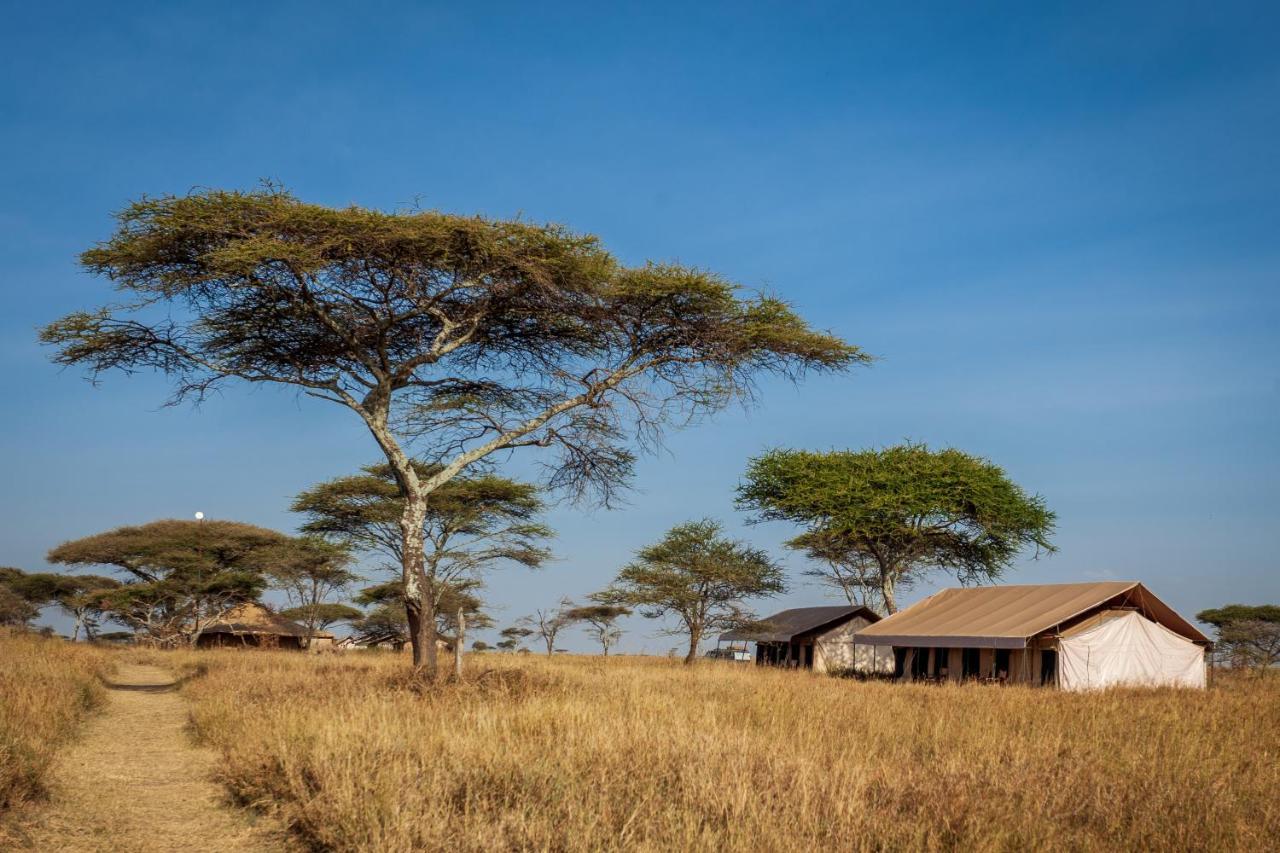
x=1076, y=636
x=817, y=638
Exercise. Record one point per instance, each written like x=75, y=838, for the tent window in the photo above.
x=969, y=666
x=1049, y=666
x=920, y=664
x=1002, y=663
x=940, y=658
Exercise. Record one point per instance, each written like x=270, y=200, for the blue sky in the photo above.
x=1055, y=224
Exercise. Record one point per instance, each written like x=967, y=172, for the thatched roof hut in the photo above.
x=252, y=625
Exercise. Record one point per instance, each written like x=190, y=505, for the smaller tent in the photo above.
x=1123, y=648
x=817, y=638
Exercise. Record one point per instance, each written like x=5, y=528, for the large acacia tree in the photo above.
x=698, y=576
x=880, y=519
x=451, y=337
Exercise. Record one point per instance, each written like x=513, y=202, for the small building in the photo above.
x=1077, y=636
x=817, y=638
x=252, y=625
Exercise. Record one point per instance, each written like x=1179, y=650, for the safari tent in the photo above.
x=253, y=626
x=817, y=638
x=1077, y=636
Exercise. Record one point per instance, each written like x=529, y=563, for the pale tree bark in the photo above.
x=695, y=639
x=887, y=581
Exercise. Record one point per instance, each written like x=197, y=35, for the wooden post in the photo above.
x=457, y=644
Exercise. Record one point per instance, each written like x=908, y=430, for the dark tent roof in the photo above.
x=785, y=626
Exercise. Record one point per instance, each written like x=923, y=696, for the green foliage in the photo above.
x=325, y=614
x=698, y=576
x=16, y=610
x=1248, y=635
x=903, y=510
x=478, y=334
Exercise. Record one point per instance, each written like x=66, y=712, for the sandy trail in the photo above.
x=135, y=783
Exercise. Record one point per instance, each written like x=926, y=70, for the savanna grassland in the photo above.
x=47, y=687
x=632, y=753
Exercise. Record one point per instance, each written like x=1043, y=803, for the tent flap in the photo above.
x=1129, y=651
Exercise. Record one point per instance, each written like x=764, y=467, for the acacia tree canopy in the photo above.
x=1248, y=635
x=906, y=509
x=16, y=609
x=467, y=336
x=602, y=620
x=699, y=576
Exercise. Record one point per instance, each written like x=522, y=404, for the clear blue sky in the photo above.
x=1058, y=225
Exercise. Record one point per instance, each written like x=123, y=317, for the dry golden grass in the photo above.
x=583, y=754
x=46, y=687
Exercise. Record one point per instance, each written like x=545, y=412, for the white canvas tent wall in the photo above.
x=1128, y=650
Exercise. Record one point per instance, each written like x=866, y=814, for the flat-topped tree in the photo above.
x=472, y=523
x=882, y=519
x=468, y=336
x=601, y=621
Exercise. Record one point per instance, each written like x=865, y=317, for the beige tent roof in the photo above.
x=1007, y=616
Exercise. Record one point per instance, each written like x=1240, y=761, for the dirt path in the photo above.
x=135, y=782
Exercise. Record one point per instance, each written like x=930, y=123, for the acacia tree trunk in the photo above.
x=886, y=591
x=695, y=637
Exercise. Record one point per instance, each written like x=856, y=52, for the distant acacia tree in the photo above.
x=602, y=622
x=548, y=623
x=464, y=335
x=1247, y=635
x=699, y=576
x=78, y=596
x=323, y=616
x=472, y=523
x=181, y=575
x=513, y=636
x=887, y=517
x=480, y=646
x=310, y=571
